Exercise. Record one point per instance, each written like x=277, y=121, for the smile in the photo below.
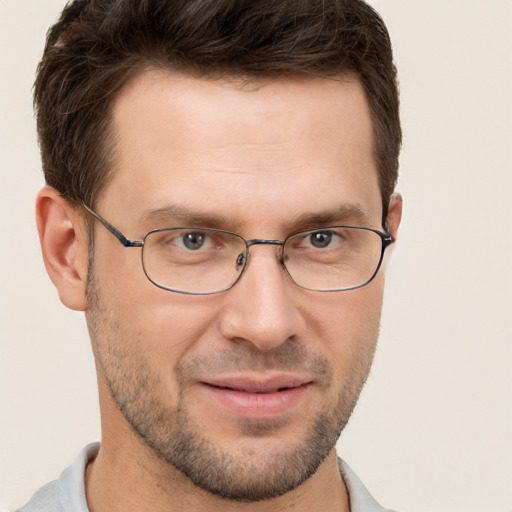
x=257, y=398
x=258, y=391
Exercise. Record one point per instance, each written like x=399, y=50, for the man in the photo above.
x=219, y=199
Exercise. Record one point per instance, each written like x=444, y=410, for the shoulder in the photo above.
x=360, y=498
x=67, y=494
x=46, y=499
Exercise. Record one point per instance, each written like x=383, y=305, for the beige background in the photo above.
x=433, y=430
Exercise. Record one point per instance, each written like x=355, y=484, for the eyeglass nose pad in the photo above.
x=240, y=260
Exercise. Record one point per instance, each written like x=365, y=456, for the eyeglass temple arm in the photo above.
x=124, y=241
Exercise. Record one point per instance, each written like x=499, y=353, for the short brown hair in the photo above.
x=97, y=45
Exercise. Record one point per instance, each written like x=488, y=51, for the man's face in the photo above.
x=245, y=391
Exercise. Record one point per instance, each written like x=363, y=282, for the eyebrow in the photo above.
x=343, y=213
x=178, y=214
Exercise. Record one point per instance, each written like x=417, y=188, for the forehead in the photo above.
x=218, y=145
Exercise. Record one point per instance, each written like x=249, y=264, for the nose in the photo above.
x=262, y=307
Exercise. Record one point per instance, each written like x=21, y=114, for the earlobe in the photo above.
x=394, y=214
x=64, y=246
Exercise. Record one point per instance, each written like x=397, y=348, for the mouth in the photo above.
x=256, y=390
x=255, y=384
x=257, y=397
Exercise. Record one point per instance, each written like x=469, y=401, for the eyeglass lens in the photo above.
x=205, y=261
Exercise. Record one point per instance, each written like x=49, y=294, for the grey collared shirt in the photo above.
x=67, y=494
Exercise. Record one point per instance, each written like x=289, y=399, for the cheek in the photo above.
x=347, y=324
x=165, y=326
x=348, y=314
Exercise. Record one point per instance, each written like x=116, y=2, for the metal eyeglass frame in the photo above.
x=386, y=238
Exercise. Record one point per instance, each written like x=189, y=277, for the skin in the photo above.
x=254, y=160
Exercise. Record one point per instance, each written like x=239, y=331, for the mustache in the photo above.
x=290, y=356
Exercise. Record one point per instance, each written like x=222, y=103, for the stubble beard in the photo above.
x=173, y=436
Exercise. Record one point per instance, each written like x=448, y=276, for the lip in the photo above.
x=257, y=397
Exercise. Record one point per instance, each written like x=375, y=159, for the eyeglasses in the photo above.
x=203, y=261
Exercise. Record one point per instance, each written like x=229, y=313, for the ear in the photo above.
x=394, y=214
x=64, y=246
